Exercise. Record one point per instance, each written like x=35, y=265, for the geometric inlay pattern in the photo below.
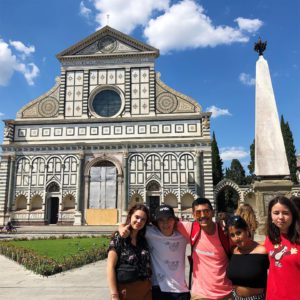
x=166, y=103
x=48, y=107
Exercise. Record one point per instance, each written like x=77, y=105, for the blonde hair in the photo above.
x=247, y=213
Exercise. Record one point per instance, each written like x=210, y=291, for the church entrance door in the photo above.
x=153, y=204
x=53, y=211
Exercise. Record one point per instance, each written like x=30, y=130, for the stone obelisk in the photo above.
x=270, y=154
x=271, y=165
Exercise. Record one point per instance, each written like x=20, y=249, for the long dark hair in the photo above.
x=273, y=231
x=133, y=209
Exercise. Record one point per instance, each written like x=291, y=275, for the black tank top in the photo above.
x=248, y=270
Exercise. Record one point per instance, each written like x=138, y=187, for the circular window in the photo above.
x=107, y=103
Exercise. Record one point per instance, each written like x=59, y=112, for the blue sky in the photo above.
x=206, y=53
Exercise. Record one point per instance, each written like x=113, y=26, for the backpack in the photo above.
x=195, y=235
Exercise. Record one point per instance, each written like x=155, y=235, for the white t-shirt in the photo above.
x=168, y=260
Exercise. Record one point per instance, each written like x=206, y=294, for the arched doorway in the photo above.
x=103, y=185
x=227, y=200
x=153, y=197
x=227, y=196
x=52, y=201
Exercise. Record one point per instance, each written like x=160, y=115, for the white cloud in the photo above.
x=30, y=72
x=195, y=29
x=168, y=27
x=246, y=79
x=217, y=112
x=250, y=25
x=127, y=15
x=2, y=115
x=20, y=47
x=229, y=153
x=85, y=11
x=9, y=63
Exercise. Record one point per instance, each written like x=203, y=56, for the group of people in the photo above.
x=147, y=261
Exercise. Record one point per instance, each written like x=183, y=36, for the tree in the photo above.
x=236, y=172
x=217, y=162
x=251, y=165
x=289, y=148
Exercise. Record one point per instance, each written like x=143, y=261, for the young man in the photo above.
x=167, y=251
x=210, y=255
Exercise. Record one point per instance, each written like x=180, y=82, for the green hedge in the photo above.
x=47, y=266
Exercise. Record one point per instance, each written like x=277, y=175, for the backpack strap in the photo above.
x=194, y=236
x=224, y=239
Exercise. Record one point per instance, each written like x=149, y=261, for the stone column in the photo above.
x=120, y=198
x=11, y=183
x=125, y=170
x=78, y=204
x=198, y=174
x=86, y=196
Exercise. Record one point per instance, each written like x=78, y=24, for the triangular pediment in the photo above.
x=108, y=42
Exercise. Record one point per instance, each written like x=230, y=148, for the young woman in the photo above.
x=167, y=249
x=247, y=213
x=283, y=246
x=128, y=263
x=248, y=265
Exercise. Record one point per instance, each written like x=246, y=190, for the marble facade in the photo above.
x=109, y=134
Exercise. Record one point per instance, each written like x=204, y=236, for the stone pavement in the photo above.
x=86, y=283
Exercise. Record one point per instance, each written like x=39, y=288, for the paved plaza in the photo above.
x=88, y=282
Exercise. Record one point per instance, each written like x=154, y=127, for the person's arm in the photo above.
x=184, y=228
x=111, y=274
x=124, y=230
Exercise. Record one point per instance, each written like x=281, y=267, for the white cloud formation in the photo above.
x=127, y=15
x=167, y=25
x=246, y=79
x=195, y=29
x=230, y=153
x=7, y=63
x=2, y=115
x=19, y=46
x=10, y=63
x=217, y=112
x=85, y=11
x=250, y=25
x=30, y=71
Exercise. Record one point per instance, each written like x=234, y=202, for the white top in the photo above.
x=168, y=260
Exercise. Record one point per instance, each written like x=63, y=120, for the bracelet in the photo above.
x=114, y=295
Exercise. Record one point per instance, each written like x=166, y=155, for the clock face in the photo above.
x=107, y=103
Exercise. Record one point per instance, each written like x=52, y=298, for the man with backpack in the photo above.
x=210, y=253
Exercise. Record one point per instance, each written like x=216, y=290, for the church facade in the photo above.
x=109, y=134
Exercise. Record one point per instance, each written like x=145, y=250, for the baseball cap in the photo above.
x=164, y=211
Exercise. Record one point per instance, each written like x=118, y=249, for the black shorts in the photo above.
x=157, y=294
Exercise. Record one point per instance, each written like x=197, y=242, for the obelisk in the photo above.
x=271, y=165
x=270, y=154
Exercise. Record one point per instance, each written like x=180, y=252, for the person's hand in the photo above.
x=124, y=230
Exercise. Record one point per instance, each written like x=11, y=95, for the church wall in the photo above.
x=156, y=144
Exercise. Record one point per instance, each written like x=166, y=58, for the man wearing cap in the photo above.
x=210, y=254
x=167, y=250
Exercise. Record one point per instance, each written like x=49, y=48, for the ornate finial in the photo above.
x=260, y=46
x=107, y=19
